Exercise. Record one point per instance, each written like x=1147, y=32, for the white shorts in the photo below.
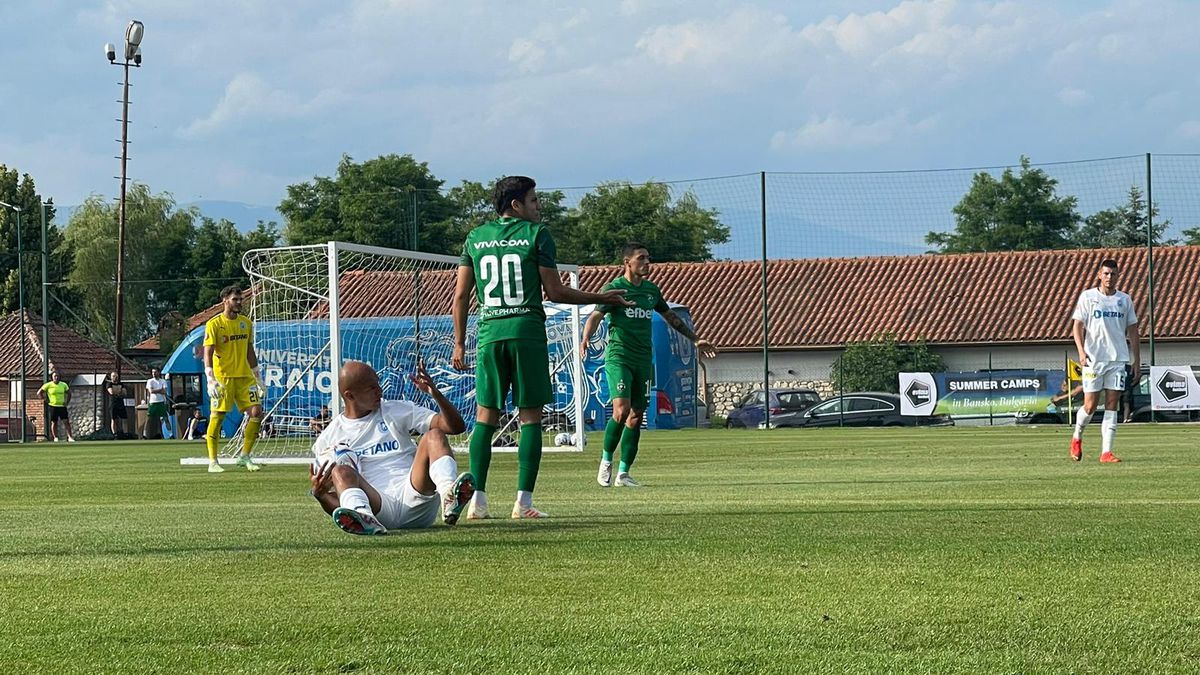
x=408, y=509
x=1104, y=375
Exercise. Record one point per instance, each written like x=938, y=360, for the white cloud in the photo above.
x=1071, y=96
x=1189, y=129
x=835, y=133
x=527, y=55
x=248, y=96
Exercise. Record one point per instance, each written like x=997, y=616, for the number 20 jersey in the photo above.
x=505, y=255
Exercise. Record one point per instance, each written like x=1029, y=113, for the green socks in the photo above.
x=612, y=436
x=481, y=453
x=629, y=447
x=529, y=456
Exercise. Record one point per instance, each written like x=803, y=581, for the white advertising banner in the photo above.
x=1174, y=388
x=918, y=394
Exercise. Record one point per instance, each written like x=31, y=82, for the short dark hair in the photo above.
x=230, y=290
x=632, y=247
x=1110, y=263
x=509, y=189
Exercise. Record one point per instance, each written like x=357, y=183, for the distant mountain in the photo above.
x=245, y=216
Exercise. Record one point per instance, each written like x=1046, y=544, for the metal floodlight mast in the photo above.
x=133, y=57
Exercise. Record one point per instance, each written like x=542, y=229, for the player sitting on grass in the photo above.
x=370, y=476
x=629, y=358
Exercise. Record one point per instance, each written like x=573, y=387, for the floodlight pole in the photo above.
x=133, y=57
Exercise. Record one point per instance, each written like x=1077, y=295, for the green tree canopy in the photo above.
x=19, y=190
x=1123, y=226
x=616, y=213
x=173, y=267
x=372, y=202
x=876, y=365
x=1018, y=212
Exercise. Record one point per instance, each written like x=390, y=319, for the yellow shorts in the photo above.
x=240, y=391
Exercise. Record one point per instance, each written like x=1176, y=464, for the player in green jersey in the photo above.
x=507, y=264
x=629, y=358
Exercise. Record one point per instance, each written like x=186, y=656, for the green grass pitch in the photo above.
x=890, y=550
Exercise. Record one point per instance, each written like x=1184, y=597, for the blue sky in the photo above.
x=240, y=98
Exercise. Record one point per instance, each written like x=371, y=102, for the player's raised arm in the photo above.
x=464, y=285
x=448, y=419
x=557, y=292
x=707, y=350
x=589, y=329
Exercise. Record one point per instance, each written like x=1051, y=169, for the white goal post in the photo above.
x=317, y=306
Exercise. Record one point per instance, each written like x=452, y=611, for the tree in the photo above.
x=215, y=258
x=1191, y=236
x=1123, y=226
x=1018, y=212
x=470, y=204
x=372, y=202
x=616, y=213
x=156, y=233
x=19, y=190
x=876, y=365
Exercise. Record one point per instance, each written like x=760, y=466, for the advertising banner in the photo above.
x=1174, y=388
x=972, y=394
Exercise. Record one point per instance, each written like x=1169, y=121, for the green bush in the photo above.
x=875, y=365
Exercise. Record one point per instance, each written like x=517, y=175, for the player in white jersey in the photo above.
x=1106, y=334
x=370, y=476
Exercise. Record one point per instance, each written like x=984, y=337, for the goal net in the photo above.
x=315, y=307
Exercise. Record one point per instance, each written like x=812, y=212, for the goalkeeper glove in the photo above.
x=215, y=388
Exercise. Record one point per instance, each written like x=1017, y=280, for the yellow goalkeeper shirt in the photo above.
x=230, y=340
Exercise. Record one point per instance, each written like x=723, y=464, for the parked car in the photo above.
x=1135, y=407
x=858, y=409
x=748, y=413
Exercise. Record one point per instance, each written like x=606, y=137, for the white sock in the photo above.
x=1081, y=420
x=443, y=472
x=524, y=498
x=355, y=498
x=480, y=499
x=1108, y=431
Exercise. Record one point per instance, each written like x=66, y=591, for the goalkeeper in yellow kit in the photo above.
x=231, y=368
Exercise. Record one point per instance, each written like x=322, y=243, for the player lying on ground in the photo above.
x=629, y=358
x=1106, y=334
x=370, y=476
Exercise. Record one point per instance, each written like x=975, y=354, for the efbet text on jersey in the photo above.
x=639, y=313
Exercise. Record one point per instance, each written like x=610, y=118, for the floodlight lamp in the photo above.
x=133, y=38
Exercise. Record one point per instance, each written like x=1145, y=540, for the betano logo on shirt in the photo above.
x=501, y=242
x=1107, y=314
x=377, y=449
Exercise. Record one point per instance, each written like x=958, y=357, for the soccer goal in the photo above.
x=315, y=307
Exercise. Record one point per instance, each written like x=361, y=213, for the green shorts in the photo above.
x=157, y=409
x=629, y=382
x=522, y=365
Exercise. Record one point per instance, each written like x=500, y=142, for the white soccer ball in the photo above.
x=563, y=438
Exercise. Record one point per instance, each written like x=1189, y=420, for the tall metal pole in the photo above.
x=121, y=223
x=21, y=309
x=1149, y=253
x=45, y=322
x=766, y=324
